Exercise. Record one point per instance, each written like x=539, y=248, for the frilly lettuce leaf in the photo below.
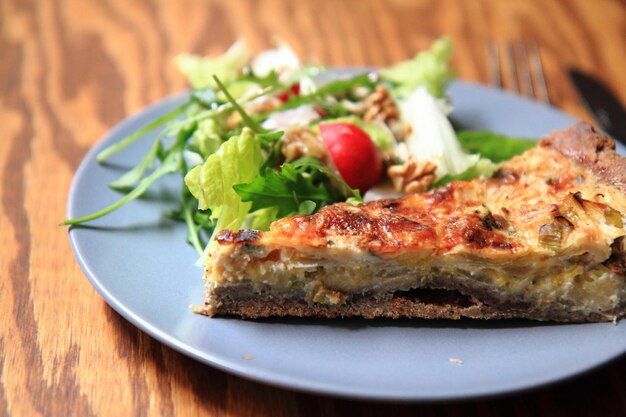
x=199, y=70
x=237, y=161
x=429, y=69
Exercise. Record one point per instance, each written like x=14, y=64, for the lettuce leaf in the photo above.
x=429, y=69
x=432, y=137
x=199, y=70
x=494, y=146
x=207, y=138
x=237, y=161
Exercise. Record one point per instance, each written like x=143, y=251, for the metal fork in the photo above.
x=519, y=68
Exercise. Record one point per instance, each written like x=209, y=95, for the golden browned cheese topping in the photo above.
x=437, y=220
x=541, y=202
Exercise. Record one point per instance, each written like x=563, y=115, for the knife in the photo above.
x=602, y=103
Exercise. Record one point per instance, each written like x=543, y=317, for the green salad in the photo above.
x=264, y=137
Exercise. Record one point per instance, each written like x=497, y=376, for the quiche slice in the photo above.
x=542, y=239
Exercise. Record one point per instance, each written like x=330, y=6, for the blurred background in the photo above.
x=71, y=69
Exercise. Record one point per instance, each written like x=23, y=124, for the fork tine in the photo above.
x=520, y=69
x=537, y=71
x=511, y=68
x=523, y=70
x=493, y=57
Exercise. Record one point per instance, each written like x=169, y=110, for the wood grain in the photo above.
x=70, y=69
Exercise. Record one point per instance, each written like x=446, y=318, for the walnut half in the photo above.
x=380, y=105
x=412, y=176
x=301, y=142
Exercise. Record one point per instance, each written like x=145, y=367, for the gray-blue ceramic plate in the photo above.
x=138, y=260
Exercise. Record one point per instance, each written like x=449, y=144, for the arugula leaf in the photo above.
x=286, y=190
x=172, y=162
x=270, y=138
x=244, y=116
x=494, y=146
x=127, y=181
x=215, y=110
x=300, y=187
x=193, y=226
x=344, y=189
x=270, y=142
x=134, y=137
x=345, y=85
x=333, y=88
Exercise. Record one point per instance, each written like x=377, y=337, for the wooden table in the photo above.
x=71, y=69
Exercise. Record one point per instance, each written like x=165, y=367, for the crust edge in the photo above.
x=595, y=151
x=419, y=303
